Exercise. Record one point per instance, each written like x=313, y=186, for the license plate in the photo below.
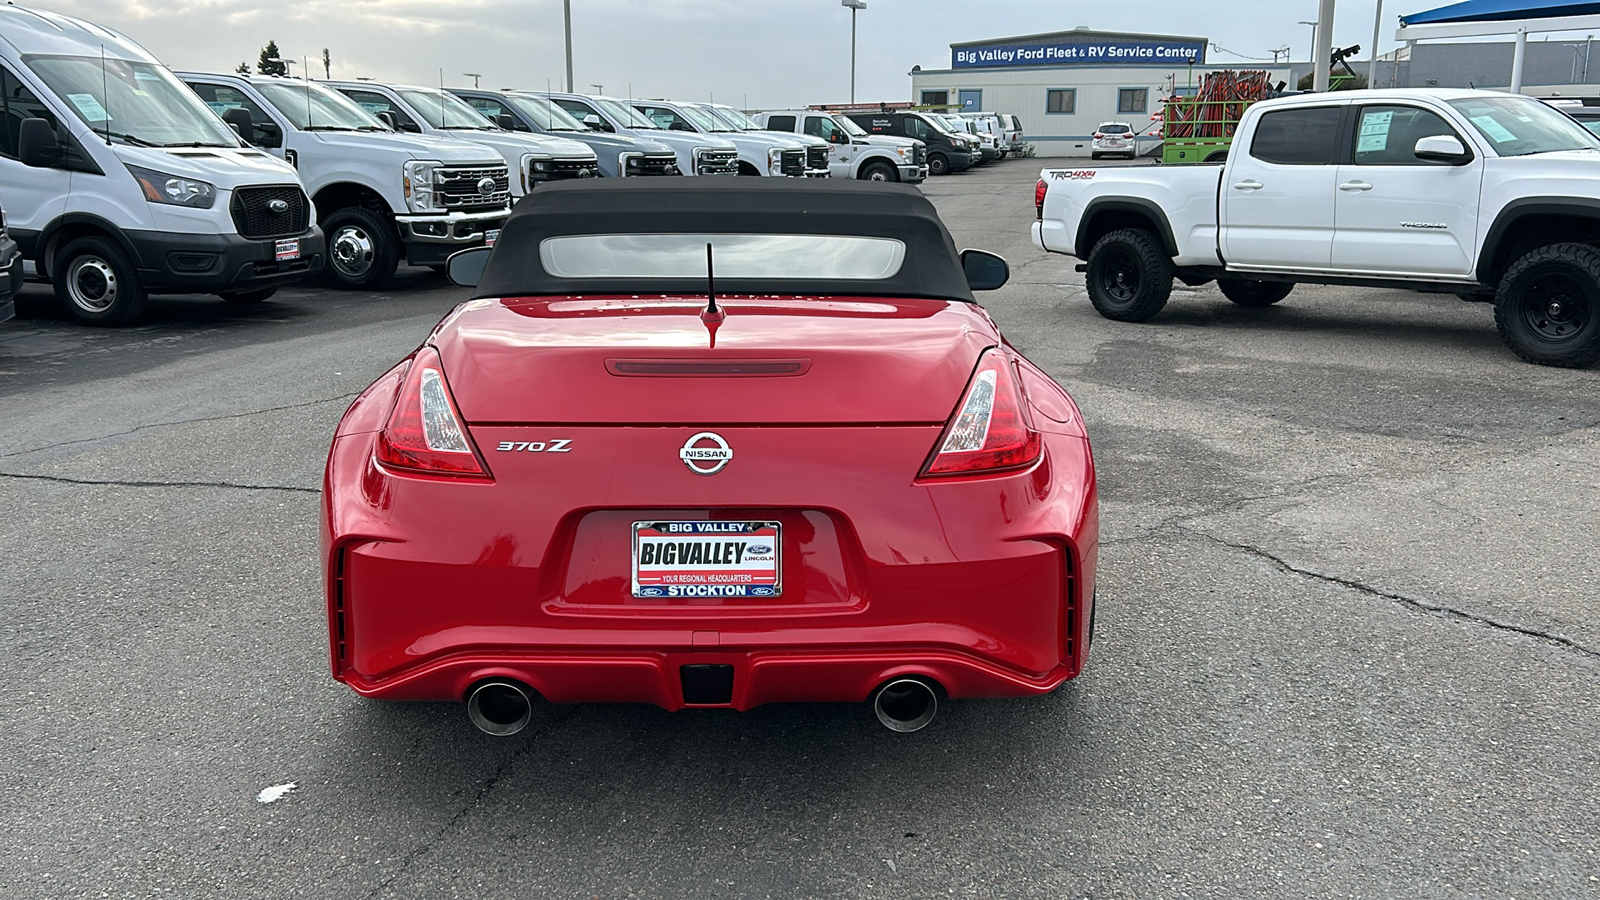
x=490, y=236
x=287, y=250
x=707, y=559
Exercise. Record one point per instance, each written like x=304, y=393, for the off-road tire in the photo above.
x=938, y=164
x=879, y=171
x=370, y=258
x=1247, y=292
x=1129, y=275
x=96, y=282
x=248, y=298
x=1547, y=306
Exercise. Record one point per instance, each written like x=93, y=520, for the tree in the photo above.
x=244, y=69
x=271, y=63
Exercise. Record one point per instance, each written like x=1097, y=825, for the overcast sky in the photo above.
x=751, y=53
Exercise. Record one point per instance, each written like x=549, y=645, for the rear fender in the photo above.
x=1103, y=216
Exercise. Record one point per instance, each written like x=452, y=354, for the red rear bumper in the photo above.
x=983, y=585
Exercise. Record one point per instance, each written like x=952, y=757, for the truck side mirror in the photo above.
x=1443, y=148
x=387, y=118
x=506, y=122
x=466, y=267
x=239, y=118
x=985, y=271
x=593, y=121
x=37, y=145
x=838, y=137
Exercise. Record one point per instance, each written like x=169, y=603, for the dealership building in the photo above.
x=1064, y=84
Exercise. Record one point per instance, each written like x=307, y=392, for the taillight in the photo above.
x=425, y=433
x=990, y=431
x=1098, y=135
x=1038, y=198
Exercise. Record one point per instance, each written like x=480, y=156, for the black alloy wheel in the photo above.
x=1547, y=308
x=1129, y=275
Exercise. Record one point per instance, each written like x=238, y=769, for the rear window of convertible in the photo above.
x=823, y=257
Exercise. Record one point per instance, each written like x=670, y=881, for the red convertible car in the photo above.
x=713, y=443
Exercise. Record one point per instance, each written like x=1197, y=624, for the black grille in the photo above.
x=792, y=162
x=255, y=217
x=459, y=188
x=574, y=168
x=665, y=164
x=919, y=154
x=816, y=157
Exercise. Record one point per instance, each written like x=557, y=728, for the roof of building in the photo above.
x=1080, y=34
x=1501, y=11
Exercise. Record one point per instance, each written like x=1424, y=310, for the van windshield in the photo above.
x=446, y=111
x=313, y=107
x=545, y=113
x=147, y=106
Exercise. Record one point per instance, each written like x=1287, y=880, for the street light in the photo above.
x=854, y=6
x=566, y=14
x=1312, y=55
x=474, y=76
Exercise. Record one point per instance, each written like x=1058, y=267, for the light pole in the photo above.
x=566, y=13
x=854, y=6
x=599, y=89
x=474, y=76
x=1377, y=28
x=1323, y=59
x=1313, y=54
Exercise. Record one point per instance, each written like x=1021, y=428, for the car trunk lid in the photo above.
x=660, y=361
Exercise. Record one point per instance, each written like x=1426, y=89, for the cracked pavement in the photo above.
x=1347, y=641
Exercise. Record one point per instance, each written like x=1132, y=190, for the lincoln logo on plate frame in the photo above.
x=718, y=454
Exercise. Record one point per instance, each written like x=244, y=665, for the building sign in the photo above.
x=1068, y=53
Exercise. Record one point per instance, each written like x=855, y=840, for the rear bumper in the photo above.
x=174, y=263
x=433, y=586
x=793, y=674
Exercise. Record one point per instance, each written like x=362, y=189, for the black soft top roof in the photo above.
x=725, y=205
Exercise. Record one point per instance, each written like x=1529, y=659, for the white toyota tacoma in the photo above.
x=1489, y=196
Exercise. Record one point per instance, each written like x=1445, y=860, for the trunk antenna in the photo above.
x=711, y=285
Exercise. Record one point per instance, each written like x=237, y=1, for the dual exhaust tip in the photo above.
x=502, y=707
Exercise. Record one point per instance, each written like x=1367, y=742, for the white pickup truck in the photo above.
x=1489, y=196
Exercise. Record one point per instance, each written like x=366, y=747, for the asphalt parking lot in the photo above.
x=1347, y=642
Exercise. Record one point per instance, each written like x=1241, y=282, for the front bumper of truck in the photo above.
x=181, y=263
x=430, y=239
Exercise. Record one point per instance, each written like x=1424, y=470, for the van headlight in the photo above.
x=175, y=190
x=419, y=185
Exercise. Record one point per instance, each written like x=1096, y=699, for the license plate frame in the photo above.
x=717, y=569
x=286, y=250
x=490, y=236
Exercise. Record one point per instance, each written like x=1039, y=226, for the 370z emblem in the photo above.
x=536, y=446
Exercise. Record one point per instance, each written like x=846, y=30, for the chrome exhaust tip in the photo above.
x=905, y=704
x=501, y=708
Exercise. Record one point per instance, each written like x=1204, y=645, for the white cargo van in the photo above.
x=382, y=196
x=118, y=182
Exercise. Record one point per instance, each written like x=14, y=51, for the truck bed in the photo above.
x=1187, y=195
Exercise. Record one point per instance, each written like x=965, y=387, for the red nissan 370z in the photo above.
x=713, y=443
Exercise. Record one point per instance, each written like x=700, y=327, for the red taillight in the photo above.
x=990, y=431
x=425, y=433
x=1038, y=198
x=1098, y=135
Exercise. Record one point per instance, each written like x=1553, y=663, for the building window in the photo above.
x=1061, y=101
x=1132, y=100
x=935, y=98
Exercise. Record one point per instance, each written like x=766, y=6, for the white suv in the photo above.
x=1114, y=138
